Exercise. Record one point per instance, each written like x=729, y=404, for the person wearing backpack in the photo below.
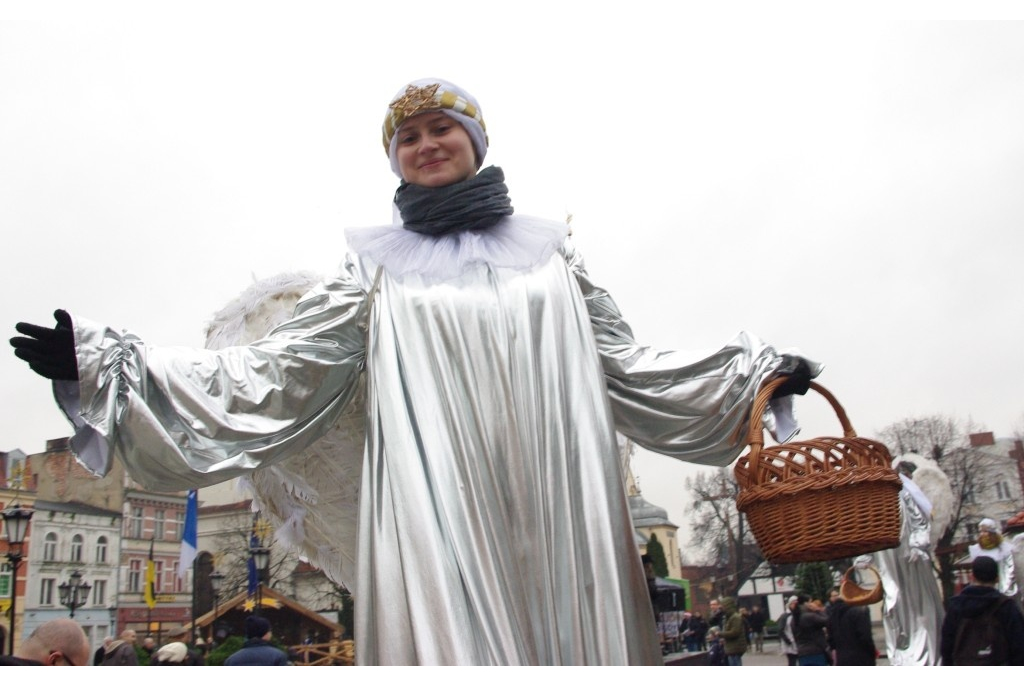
x=983, y=627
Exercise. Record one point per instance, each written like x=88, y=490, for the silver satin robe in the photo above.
x=494, y=526
x=912, y=610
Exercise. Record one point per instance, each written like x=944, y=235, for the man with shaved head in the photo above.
x=60, y=642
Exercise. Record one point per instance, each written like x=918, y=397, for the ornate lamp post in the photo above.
x=261, y=558
x=74, y=594
x=216, y=585
x=16, y=520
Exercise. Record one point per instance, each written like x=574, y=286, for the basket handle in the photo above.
x=756, y=434
x=871, y=597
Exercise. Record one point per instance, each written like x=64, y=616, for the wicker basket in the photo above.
x=857, y=596
x=820, y=499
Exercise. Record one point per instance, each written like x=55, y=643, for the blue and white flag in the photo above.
x=254, y=576
x=188, y=537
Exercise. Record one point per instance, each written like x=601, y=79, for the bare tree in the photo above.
x=723, y=538
x=232, y=544
x=931, y=436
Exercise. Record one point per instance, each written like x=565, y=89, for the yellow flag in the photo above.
x=149, y=594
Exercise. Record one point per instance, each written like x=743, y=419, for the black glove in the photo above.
x=50, y=352
x=797, y=382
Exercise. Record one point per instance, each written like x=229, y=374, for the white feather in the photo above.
x=935, y=484
x=311, y=499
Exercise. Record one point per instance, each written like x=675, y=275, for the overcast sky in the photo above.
x=850, y=187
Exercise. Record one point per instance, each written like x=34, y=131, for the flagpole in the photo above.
x=150, y=591
x=188, y=557
x=194, y=568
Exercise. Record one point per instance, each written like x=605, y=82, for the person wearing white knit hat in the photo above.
x=435, y=426
x=991, y=543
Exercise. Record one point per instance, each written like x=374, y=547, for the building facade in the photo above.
x=70, y=537
x=145, y=521
x=153, y=526
x=17, y=487
x=997, y=466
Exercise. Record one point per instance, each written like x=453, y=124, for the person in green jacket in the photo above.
x=734, y=633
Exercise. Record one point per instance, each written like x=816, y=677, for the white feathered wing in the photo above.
x=312, y=498
x=934, y=482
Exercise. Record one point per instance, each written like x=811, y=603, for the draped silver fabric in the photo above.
x=494, y=526
x=912, y=611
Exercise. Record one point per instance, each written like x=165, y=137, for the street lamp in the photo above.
x=261, y=559
x=216, y=585
x=16, y=521
x=74, y=594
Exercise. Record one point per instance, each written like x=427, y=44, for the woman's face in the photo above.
x=434, y=151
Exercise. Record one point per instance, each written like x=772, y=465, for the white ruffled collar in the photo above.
x=516, y=242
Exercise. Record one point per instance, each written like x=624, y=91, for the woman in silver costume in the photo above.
x=912, y=606
x=492, y=375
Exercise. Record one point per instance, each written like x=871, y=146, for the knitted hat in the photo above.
x=256, y=627
x=989, y=525
x=171, y=653
x=434, y=95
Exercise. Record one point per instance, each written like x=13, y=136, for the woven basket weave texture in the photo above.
x=821, y=499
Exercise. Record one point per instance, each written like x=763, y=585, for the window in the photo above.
x=50, y=547
x=158, y=525
x=46, y=586
x=176, y=581
x=158, y=577
x=179, y=522
x=136, y=523
x=99, y=592
x=76, y=548
x=135, y=575
x=1002, y=490
x=101, y=550
x=969, y=495
x=5, y=579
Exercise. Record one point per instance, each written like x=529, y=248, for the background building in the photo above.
x=17, y=487
x=71, y=537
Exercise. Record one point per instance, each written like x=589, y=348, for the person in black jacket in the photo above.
x=697, y=641
x=849, y=635
x=756, y=621
x=257, y=650
x=972, y=603
x=809, y=623
x=716, y=617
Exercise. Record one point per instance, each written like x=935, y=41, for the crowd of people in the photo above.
x=810, y=632
x=62, y=642
x=983, y=626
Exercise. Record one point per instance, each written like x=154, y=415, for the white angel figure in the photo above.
x=912, y=610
